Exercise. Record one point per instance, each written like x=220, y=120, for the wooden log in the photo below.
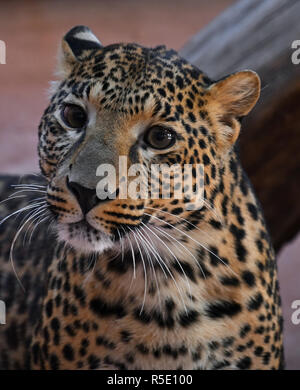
x=258, y=35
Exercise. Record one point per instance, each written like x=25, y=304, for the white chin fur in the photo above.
x=80, y=242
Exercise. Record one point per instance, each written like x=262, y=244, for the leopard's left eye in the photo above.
x=159, y=137
x=74, y=116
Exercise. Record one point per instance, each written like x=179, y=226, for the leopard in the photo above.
x=106, y=282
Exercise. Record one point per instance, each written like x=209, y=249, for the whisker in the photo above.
x=12, y=197
x=133, y=255
x=15, y=196
x=25, y=208
x=178, y=262
x=151, y=265
x=184, y=247
x=28, y=189
x=27, y=185
x=133, y=259
x=36, y=215
x=196, y=241
x=168, y=270
x=210, y=207
x=37, y=223
x=12, y=249
x=121, y=244
x=93, y=261
x=153, y=251
x=183, y=219
x=145, y=271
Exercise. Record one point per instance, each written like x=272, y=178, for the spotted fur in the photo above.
x=142, y=284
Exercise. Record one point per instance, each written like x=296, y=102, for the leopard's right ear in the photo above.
x=76, y=45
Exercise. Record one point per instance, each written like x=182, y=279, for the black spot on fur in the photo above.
x=253, y=211
x=68, y=352
x=230, y=281
x=255, y=302
x=248, y=278
x=189, y=318
x=244, y=363
x=221, y=308
x=104, y=309
x=125, y=336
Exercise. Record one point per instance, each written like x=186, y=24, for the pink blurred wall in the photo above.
x=32, y=31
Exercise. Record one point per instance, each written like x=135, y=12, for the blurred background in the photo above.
x=32, y=31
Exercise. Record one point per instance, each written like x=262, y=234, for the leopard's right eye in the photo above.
x=74, y=116
x=159, y=137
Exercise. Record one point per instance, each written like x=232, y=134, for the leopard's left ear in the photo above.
x=76, y=45
x=232, y=98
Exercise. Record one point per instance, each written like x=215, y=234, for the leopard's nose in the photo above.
x=86, y=197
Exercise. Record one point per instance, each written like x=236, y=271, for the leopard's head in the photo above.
x=148, y=106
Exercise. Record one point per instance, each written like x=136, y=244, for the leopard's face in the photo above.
x=148, y=106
